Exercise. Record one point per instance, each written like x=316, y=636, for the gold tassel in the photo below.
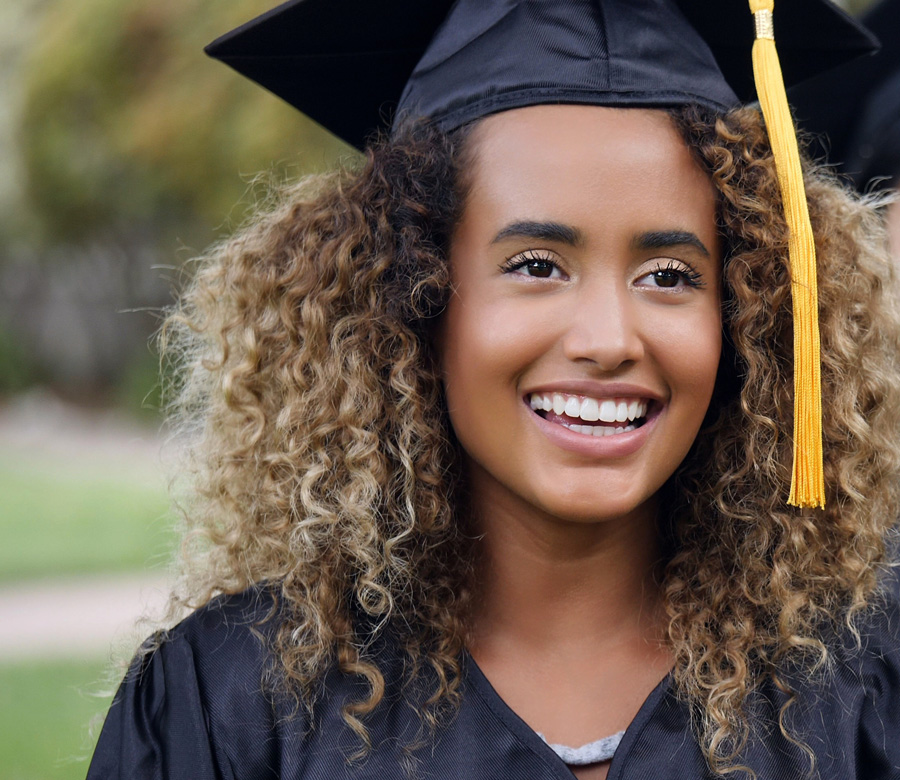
x=807, y=482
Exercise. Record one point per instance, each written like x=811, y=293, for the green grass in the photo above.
x=62, y=517
x=45, y=713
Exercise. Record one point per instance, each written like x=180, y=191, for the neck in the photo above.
x=547, y=583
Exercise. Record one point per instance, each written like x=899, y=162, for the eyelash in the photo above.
x=514, y=263
x=689, y=276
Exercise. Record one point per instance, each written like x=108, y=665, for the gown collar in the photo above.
x=529, y=739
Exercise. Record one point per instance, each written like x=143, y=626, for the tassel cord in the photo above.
x=807, y=482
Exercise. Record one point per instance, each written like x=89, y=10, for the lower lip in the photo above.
x=616, y=445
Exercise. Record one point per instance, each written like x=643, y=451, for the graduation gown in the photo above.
x=196, y=708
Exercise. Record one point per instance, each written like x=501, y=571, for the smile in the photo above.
x=590, y=416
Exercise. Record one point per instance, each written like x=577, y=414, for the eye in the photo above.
x=537, y=265
x=671, y=274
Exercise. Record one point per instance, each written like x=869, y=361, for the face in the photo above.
x=580, y=347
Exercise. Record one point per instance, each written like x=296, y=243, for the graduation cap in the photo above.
x=348, y=63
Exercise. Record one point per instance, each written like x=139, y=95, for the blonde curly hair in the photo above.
x=324, y=465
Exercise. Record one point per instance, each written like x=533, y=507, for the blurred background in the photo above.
x=124, y=152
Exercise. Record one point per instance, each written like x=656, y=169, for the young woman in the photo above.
x=492, y=439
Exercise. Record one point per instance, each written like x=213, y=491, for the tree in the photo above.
x=127, y=124
x=132, y=143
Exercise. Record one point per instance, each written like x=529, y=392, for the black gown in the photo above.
x=196, y=708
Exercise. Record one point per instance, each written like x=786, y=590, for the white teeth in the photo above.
x=590, y=410
x=559, y=403
x=598, y=430
x=608, y=410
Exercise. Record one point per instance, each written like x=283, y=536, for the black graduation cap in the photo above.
x=353, y=64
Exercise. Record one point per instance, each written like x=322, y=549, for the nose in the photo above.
x=604, y=328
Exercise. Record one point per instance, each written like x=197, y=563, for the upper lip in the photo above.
x=595, y=389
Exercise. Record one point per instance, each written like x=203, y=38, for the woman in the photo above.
x=491, y=457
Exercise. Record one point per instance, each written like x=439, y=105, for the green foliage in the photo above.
x=857, y=7
x=139, y=389
x=45, y=712
x=80, y=515
x=126, y=120
x=17, y=371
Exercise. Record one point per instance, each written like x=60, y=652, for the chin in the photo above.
x=593, y=507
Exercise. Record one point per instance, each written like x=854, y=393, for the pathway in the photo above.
x=77, y=617
x=85, y=616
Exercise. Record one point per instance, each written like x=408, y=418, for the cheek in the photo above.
x=692, y=349
x=481, y=345
x=685, y=345
x=486, y=344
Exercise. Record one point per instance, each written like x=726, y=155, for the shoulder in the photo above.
x=221, y=649
x=847, y=715
x=229, y=629
x=195, y=699
x=878, y=655
x=224, y=650
x=867, y=679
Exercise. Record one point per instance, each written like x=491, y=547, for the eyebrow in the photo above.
x=565, y=234
x=543, y=231
x=662, y=239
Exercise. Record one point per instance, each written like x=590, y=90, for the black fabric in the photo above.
x=853, y=113
x=345, y=63
x=197, y=708
x=873, y=153
x=490, y=57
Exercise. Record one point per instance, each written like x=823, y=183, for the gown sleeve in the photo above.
x=157, y=727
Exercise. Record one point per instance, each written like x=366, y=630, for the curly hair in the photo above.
x=323, y=462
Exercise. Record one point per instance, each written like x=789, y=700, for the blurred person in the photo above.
x=873, y=153
x=854, y=115
x=492, y=433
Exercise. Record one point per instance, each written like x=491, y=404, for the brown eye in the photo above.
x=532, y=265
x=667, y=278
x=542, y=269
x=674, y=276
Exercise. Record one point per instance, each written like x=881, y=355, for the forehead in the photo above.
x=579, y=162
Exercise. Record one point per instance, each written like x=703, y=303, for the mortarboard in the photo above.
x=345, y=63
x=348, y=64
